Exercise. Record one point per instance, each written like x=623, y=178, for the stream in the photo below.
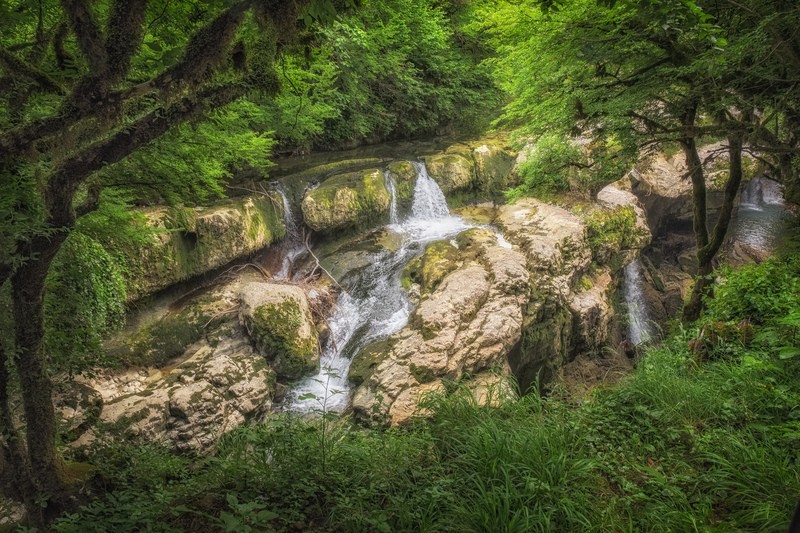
x=374, y=305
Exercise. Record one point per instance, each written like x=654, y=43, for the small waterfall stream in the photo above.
x=293, y=245
x=640, y=325
x=761, y=215
x=375, y=305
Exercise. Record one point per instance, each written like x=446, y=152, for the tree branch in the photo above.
x=124, y=35
x=15, y=65
x=86, y=29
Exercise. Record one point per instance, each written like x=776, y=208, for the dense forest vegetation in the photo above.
x=107, y=107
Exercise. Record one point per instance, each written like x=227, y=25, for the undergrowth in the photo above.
x=693, y=440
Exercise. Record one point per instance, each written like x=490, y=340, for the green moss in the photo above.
x=405, y=177
x=275, y=331
x=367, y=360
x=439, y=259
x=347, y=201
x=610, y=231
x=421, y=374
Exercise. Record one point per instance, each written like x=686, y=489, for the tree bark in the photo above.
x=708, y=250
x=27, y=288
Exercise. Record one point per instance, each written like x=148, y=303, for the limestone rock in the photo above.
x=493, y=167
x=188, y=406
x=552, y=239
x=190, y=242
x=453, y=172
x=469, y=323
x=346, y=201
x=405, y=178
x=278, y=319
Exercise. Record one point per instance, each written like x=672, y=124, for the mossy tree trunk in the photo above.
x=708, y=244
x=95, y=104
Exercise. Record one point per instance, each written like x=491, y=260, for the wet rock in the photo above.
x=279, y=322
x=346, y=201
x=453, y=172
x=405, y=178
x=467, y=324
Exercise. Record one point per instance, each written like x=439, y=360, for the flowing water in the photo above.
x=292, y=245
x=761, y=216
x=640, y=325
x=374, y=304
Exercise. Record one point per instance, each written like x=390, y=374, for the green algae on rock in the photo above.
x=346, y=201
x=279, y=322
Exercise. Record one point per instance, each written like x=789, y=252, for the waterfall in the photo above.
x=641, y=327
x=391, y=186
x=375, y=305
x=761, y=215
x=292, y=246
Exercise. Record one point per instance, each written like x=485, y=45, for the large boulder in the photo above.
x=466, y=326
x=192, y=241
x=279, y=322
x=453, y=172
x=205, y=384
x=346, y=201
x=405, y=178
x=493, y=167
x=209, y=392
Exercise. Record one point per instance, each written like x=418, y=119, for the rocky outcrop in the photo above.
x=487, y=311
x=222, y=370
x=192, y=241
x=215, y=385
x=465, y=326
x=660, y=183
x=278, y=320
x=493, y=167
x=346, y=201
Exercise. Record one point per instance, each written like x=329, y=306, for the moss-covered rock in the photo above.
x=405, y=177
x=367, y=360
x=157, y=342
x=279, y=322
x=453, y=172
x=346, y=201
x=493, y=166
x=190, y=242
x=439, y=259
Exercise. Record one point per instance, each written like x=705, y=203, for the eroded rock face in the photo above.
x=213, y=390
x=245, y=334
x=467, y=324
x=278, y=320
x=346, y=201
x=196, y=241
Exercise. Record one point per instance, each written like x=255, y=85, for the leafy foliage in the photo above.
x=85, y=300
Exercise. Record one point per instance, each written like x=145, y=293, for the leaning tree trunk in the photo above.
x=707, y=247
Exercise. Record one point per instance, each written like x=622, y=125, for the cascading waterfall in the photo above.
x=375, y=305
x=761, y=215
x=293, y=245
x=391, y=186
x=641, y=327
